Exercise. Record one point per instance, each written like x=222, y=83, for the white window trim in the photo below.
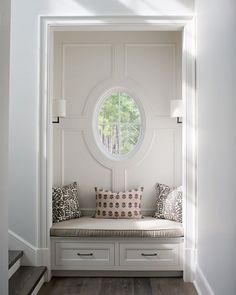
x=100, y=102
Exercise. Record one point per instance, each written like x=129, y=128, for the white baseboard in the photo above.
x=15, y=242
x=43, y=256
x=118, y=273
x=32, y=255
x=189, y=264
x=201, y=284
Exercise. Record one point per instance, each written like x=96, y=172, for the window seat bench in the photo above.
x=147, y=227
x=117, y=247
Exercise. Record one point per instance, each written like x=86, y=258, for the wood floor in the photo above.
x=117, y=286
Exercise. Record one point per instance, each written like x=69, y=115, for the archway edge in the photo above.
x=186, y=24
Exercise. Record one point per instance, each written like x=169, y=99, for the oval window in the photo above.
x=119, y=124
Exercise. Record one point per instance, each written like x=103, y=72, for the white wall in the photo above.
x=146, y=64
x=4, y=117
x=24, y=107
x=216, y=87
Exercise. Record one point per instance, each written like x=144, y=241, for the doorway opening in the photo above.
x=51, y=29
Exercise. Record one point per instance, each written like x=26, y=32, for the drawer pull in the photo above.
x=85, y=254
x=151, y=254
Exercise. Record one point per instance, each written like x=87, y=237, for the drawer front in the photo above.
x=84, y=254
x=151, y=255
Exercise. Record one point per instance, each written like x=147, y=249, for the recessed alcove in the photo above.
x=151, y=62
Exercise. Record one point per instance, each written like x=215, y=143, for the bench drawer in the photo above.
x=84, y=254
x=151, y=256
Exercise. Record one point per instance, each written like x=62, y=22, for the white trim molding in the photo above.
x=17, y=243
x=31, y=255
x=186, y=24
x=189, y=148
x=201, y=284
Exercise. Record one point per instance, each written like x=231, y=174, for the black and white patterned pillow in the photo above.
x=169, y=202
x=65, y=203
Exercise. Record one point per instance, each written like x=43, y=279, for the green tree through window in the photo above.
x=119, y=123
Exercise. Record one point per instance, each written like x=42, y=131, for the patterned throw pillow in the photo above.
x=118, y=205
x=65, y=203
x=169, y=203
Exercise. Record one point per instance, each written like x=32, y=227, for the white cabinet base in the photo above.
x=150, y=255
x=121, y=255
x=83, y=255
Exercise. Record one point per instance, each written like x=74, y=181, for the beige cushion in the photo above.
x=118, y=205
x=93, y=227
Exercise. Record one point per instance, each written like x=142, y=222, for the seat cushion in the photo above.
x=92, y=227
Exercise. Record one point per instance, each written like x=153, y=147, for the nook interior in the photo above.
x=117, y=134
x=87, y=65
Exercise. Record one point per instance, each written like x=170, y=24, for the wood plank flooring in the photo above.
x=117, y=286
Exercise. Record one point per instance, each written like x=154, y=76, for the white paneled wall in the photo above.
x=87, y=64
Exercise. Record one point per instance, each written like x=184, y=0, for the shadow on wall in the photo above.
x=109, y=7
x=121, y=7
x=189, y=5
x=137, y=7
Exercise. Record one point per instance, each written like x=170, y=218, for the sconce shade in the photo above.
x=176, y=108
x=59, y=108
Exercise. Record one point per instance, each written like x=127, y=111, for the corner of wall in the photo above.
x=32, y=255
x=201, y=284
x=189, y=265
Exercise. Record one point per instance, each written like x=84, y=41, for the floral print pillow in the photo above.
x=118, y=205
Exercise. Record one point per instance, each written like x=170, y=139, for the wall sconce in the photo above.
x=58, y=109
x=176, y=109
